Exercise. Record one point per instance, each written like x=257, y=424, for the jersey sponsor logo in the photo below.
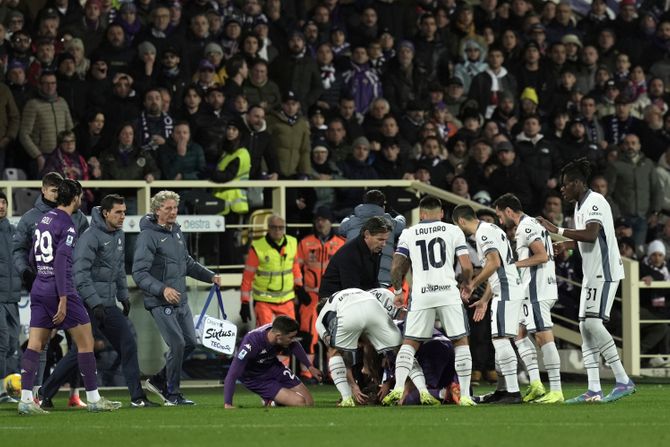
x=484, y=238
x=435, y=288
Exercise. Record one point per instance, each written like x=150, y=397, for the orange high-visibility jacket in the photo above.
x=313, y=257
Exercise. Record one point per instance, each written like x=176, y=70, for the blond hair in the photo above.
x=161, y=197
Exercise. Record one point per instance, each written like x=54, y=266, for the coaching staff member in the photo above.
x=356, y=264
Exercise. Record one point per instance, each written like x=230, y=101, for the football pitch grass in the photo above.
x=640, y=420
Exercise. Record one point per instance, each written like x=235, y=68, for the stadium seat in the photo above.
x=258, y=221
x=14, y=174
x=24, y=200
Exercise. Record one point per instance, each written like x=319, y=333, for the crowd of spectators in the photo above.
x=478, y=100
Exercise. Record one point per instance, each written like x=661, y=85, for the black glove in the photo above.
x=28, y=277
x=245, y=312
x=126, y=307
x=303, y=296
x=99, y=313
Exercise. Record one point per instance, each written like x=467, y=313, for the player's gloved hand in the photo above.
x=99, y=313
x=126, y=307
x=245, y=312
x=303, y=296
x=28, y=277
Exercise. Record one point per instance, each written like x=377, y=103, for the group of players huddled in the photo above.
x=412, y=351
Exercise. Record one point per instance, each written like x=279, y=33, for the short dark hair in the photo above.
x=508, y=200
x=284, y=325
x=64, y=134
x=234, y=65
x=579, y=169
x=68, y=190
x=376, y=225
x=430, y=203
x=52, y=179
x=463, y=211
x=375, y=197
x=108, y=202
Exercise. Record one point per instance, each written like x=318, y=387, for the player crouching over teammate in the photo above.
x=55, y=302
x=257, y=367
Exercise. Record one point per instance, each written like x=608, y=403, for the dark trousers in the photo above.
x=117, y=330
x=481, y=346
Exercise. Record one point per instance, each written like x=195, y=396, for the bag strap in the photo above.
x=213, y=289
x=209, y=300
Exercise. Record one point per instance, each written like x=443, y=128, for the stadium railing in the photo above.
x=564, y=329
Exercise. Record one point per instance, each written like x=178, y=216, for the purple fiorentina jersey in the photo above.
x=53, y=244
x=259, y=354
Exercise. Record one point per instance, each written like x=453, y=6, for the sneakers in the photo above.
x=427, y=399
x=47, y=403
x=534, y=391
x=143, y=402
x=7, y=399
x=157, y=387
x=348, y=402
x=75, y=402
x=177, y=399
x=103, y=405
x=392, y=398
x=30, y=408
x=588, y=397
x=552, y=397
x=466, y=401
x=490, y=397
x=509, y=398
x=620, y=390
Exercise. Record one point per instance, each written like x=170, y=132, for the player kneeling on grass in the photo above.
x=257, y=367
x=55, y=302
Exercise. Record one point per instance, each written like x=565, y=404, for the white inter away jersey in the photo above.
x=432, y=248
x=505, y=281
x=342, y=305
x=600, y=259
x=539, y=281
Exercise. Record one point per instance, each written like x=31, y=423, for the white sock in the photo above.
x=608, y=350
x=26, y=396
x=463, y=362
x=528, y=355
x=506, y=357
x=92, y=396
x=338, y=372
x=36, y=390
x=404, y=363
x=552, y=362
x=500, y=386
x=591, y=357
x=417, y=377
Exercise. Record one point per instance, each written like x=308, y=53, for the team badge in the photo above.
x=69, y=240
x=141, y=162
x=168, y=311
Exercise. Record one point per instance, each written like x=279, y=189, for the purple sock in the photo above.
x=87, y=368
x=30, y=362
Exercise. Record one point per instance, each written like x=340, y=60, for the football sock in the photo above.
x=29, y=366
x=338, y=372
x=552, y=362
x=500, y=386
x=40, y=369
x=506, y=357
x=87, y=368
x=590, y=356
x=404, y=363
x=463, y=363
x=528, y=355
x=417, y=377
x=608, y=350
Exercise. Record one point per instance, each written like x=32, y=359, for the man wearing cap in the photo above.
x=511, y=176
x=532, y=73
x=42, y=119
x=314, y=253
x=297, y=72
x=70, y=86
x=172, y=77
x=290, y=137
x=563, y=23
x=487, y=86
x=621, y=123
x=404, y=79
x=10, y=293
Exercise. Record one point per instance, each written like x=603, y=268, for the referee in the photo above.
x=356, y=264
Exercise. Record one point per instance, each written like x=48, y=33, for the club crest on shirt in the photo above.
x=167, y=311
